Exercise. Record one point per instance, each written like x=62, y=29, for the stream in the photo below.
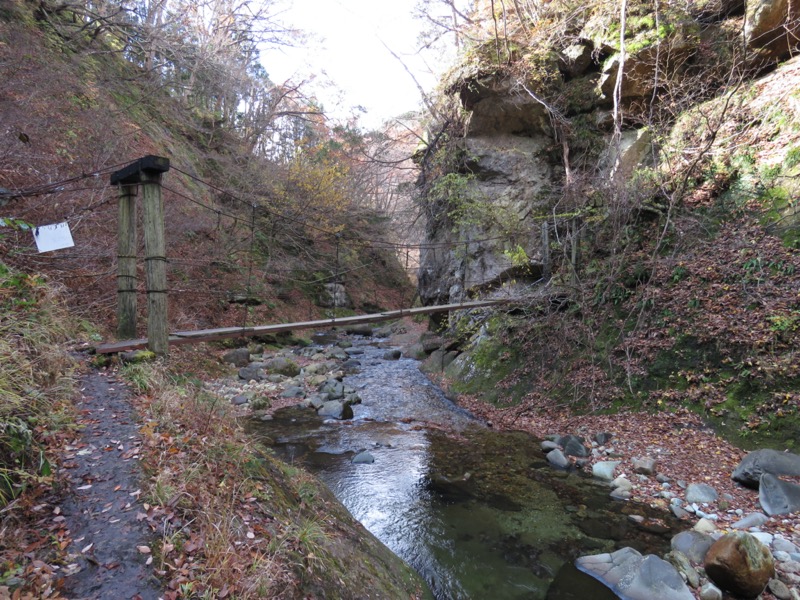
x=477, y=512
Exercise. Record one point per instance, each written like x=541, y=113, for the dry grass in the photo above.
x=211, y=493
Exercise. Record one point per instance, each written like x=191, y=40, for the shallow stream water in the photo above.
x=478, y=513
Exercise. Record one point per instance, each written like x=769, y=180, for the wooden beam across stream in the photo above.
x=208, y=335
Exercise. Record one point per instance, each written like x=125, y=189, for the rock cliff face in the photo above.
x=529, y=126
x=506, y=147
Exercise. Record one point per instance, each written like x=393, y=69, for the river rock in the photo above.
x=336, y=410
x=644, y=466
x=294, y=391
x=710, y=592
x=681, y=562
x=351, y=398
x=333, y=387
x=603, y=438
x=363, y=329
x=431, y=342
x=363, y=458
x=548, y=445
x=415, y=351
x=260, y=403
x=282, y=366
x=239, y=357
x=239, y=400
x=557, y=459
x=781, y=544
x=700, y=492
x=605, y=469
x=319, y=368
x=351, y=364
x=778, y=497
x=740, y=564
x=620, y=494
x=704, y=525
x=757, y=463
x=392, y=355
x=635, y=577
x=337, y=353
x=434, y=363
x=755, y=519
x=316, y=401
x=573, y=446
x=251, y=373
x=692, y=544
x=779, y=589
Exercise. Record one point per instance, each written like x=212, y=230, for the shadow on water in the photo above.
x=477, y=512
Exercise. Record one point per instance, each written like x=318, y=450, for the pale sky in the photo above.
x=346, y=44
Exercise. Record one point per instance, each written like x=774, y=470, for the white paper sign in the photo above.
x=53, y=237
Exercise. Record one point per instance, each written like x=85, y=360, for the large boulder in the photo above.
x=333, y=387
x=252, y=373
x=239, y=357
x=635, y=577
x=700, y=492
x=336, y=410
x=282, y=366
x=573, y=446
x=364, y=329
x=778, y=497
x=757, y=463
x=605, y=469
x=770, y=26
x=740, y=564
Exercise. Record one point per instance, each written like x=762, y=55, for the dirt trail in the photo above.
x=106, y=558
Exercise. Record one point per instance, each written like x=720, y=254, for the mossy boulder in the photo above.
x=740, y=564
x=281, y=365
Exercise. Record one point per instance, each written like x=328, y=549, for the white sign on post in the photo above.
x=53, y=237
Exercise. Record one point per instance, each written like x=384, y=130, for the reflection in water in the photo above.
x=476, y=512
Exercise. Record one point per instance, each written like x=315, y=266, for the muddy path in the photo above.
x=110, y=543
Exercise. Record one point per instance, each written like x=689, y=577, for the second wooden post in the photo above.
x=155, y=262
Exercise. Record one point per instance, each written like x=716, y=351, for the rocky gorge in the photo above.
x=732, y=542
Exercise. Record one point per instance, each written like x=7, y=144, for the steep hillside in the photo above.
x=635, y=185
x=253, y=234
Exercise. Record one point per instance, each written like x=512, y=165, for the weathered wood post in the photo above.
x=147, y=171
x=126, y=263
x=546, y=250
x=575, y=251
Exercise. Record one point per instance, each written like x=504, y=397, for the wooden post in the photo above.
x=576, y=240
x=126, y=263
x=147, y=171
x=464, y=272
x=155, y=250
x=545, y=250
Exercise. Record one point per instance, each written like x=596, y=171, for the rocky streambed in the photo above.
x=476, y=510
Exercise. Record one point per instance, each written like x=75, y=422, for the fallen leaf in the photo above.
x=143, y=549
